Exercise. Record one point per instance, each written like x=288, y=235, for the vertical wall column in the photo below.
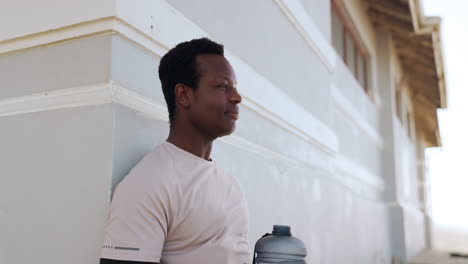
x=389, y=163
x=424, y=191
x=407, y=217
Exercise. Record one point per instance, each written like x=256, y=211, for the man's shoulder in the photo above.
x=160, y=155
x=155, y=166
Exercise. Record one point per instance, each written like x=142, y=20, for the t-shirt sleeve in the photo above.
x=137, y=224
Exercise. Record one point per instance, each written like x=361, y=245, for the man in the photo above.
x=176, y=205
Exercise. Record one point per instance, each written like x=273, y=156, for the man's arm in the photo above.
x=113, y=261
x=137, y=219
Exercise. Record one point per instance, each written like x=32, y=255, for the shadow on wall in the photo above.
x=134, y=137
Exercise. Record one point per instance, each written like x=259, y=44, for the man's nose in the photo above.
x=235, y=97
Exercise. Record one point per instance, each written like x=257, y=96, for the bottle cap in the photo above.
x=281, y=230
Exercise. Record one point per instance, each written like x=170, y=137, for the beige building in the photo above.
x=339, y=103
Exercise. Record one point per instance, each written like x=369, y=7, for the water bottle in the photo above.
x=279, y=247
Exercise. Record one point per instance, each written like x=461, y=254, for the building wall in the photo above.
x=311, y=149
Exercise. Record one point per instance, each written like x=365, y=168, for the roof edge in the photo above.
x=431, y=25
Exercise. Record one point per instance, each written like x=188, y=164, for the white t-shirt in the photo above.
x=175, y=208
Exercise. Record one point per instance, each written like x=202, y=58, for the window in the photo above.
x=403, y=112
x=409, y=125
x=399, y=105
x=348, y=46
x=338, y=35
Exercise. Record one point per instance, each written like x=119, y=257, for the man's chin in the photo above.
x=228, y=131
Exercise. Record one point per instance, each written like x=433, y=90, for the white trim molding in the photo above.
x=339, y=169
x=309, y=31
x=58, y=99
x=81, y=30
x=151, y=108
x=345, y=166
x=302, y=130
x=97, y=94
x=352, y=114
x=406, y=206
x=275, y=105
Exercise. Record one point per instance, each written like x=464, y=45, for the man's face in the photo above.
x=214, y=104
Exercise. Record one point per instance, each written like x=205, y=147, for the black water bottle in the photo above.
x=279, y=247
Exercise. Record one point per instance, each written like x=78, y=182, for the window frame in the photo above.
x=349, y=32
x=403, y=109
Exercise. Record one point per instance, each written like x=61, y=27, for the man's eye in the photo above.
x=222, y=86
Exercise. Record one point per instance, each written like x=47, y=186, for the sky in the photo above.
x=448, y=165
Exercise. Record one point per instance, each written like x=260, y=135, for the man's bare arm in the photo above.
x=113, y=261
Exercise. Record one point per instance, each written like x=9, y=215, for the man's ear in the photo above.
x=182, y=95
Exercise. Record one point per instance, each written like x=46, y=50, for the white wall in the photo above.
x=309, y=151
x=54, y=191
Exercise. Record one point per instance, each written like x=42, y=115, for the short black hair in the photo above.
x=179, y=66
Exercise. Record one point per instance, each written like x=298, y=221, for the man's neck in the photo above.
x=188, y=139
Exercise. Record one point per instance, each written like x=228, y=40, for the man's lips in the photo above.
x=233, y=115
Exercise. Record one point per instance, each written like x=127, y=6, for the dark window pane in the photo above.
x=361, y=69
x=350, y=53
x=398, y=105
x=337, y=34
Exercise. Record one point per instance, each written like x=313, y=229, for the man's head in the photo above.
x=199, y=86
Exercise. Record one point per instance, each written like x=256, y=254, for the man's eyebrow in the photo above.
x=225, y=78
